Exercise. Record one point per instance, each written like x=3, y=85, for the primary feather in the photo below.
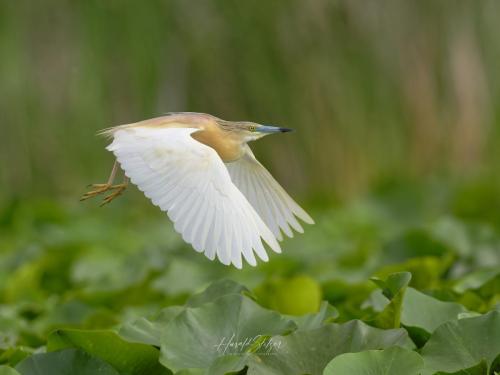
x=270, y=200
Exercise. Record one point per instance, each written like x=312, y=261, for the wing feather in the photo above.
x=254, y=189
x=270, y=200
x=217, y=231
x=189, y=181
x=203, y=235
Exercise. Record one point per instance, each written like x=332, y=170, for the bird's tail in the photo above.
x=109, y=132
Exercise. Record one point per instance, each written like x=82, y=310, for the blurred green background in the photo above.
x=376, y=91
x=396, y=153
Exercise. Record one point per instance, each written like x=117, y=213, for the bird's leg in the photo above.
x=118, y=190
x=102, y=188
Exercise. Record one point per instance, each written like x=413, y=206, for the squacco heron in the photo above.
x=201, y=171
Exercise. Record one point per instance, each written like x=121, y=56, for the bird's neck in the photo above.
x=228, y=145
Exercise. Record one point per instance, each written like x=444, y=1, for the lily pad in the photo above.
x=308, y=352
x=461, y=344
x=231, y=324
x=216, y=290
x=475, y=279
x=391, y=361
x=426, y=312
x=326, y=314
x=107, y=345
x=418, y=310
x=147, y=331
x=480, y=369
x=65, y=362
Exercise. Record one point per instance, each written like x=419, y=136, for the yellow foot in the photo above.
x=103, y=188
x=98, y=189
x=118, y=190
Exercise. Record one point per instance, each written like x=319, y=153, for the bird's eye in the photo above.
x=251, y=128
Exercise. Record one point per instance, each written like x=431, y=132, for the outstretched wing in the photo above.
x=270, y=200
x=189, y=181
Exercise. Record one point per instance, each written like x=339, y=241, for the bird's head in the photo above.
x=250, y=131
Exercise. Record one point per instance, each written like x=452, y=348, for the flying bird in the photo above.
x=201, y=171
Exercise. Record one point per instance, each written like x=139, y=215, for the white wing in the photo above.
x=270, y=200
x=189, y=181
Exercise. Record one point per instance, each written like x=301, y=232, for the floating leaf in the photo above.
x=141, y=331
x=216, y=290
x=475, y=280
x=428, y=313
x=457, y=345
x=124, y=356
x=147, y=331
x=65, y=362
x=480, y=369
x=391, y=361
x=182, y=276
x=231, y=324
x=308, y=352
x=421, y=311
x=326, y=314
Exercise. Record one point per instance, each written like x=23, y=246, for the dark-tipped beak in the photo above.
x=272, y=129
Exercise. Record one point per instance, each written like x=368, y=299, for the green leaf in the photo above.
x=426, y=272
x=428, y=313
x=326, y=314
x=197, y=336
x=182, y=276
x=65, y=314
x=391, y=361
x=475, y=280
x=216, y=290
x=149, y=332
x=231, y=364
x=393, y=288
x=107, y=345
x=141, y=331
x=347, y=297
x=12, y=356
x=65, y=362
x=480, y=369
x=412, y=244
x=308, y=352
x=420, y=314
x=457, y=345
x=393, y=284
x=24, y=283
x=6, y=370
